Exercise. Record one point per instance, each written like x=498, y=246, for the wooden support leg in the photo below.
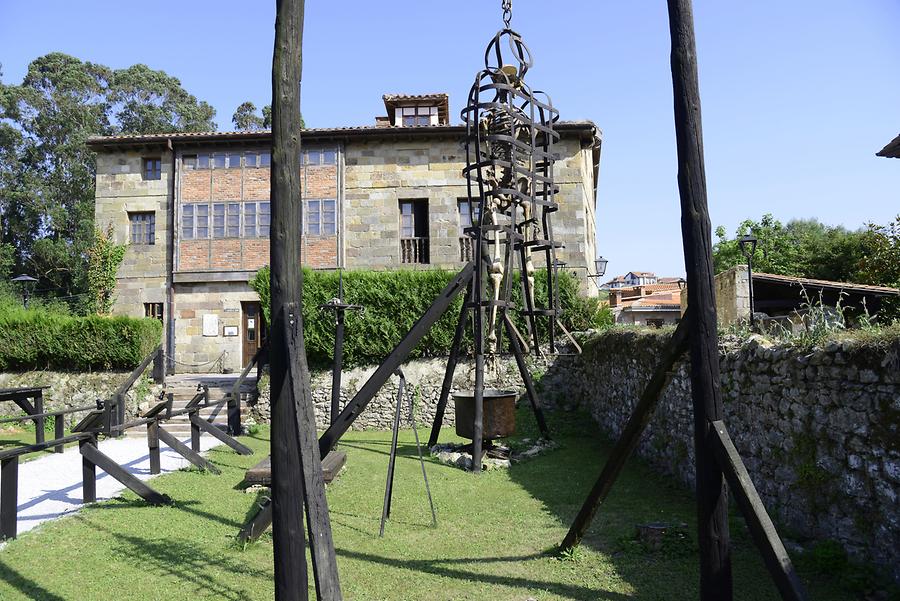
x=153, y=443
x=258, y=524
x=478, y=428
x=88, y=473
x=195, y=431
x=91, y=452
x=59, y=430
x=120, y=415
x=183, y=450
x=209, y=428
x=9, y=496
x=761, y=527
x=628, y=440
x=234, y=415
x=526, y=377
x=448, y=374
x=39, y=422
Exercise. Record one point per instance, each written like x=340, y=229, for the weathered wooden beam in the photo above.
x=452, y=360
x=153, y=445
x=91, y=453
x=761, y=527
x=631, y=435
x=712, y=494
x=530, y=390
x=291, y=580
x=9, y=496
x=186, y=452
x=214, y=430
x=324, y=561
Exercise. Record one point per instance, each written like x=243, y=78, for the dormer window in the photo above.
x=417, y=115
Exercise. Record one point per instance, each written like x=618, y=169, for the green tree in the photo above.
x=246, y=119
x=802, y=248
x=104, y=257
x=881, y=265
x=47, y=171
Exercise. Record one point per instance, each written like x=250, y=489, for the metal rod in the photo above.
x=389, y=484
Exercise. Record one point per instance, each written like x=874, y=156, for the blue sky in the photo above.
x=797, y=96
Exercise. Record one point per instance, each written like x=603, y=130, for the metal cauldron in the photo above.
x=498, y=417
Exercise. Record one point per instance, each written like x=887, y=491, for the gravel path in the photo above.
x=51, y=486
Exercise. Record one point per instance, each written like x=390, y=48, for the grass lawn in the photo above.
x=12, y=437
x=494, y=538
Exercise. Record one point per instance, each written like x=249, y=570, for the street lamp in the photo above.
x=27, y=282
x=747, y=245
x=599, y=269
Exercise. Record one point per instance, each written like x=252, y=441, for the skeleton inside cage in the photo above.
x=509, y=176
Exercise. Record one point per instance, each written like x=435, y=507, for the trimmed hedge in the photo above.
x=394, y=301
x=37, y=340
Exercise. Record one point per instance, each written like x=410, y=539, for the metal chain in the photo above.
x=507, y=12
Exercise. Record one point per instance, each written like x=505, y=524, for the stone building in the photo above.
x=195, y=209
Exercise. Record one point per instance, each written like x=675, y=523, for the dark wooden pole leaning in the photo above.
x=288, y=535
x=712, y=495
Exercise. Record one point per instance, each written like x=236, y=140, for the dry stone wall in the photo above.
x=817, y=428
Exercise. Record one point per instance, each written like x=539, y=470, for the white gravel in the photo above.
x=50, y=487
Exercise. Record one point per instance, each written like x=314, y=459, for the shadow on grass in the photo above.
x=441, y=567
x=185, y=506
x=27, y=587
x=180, y=560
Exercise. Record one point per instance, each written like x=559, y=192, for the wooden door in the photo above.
x=253, y=330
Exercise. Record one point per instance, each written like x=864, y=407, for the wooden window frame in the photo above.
x=151, y=168
x=142, y=228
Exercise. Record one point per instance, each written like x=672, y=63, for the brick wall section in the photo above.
x=225, y=254
x=195, y=186
x=226, y=184
x=255, y=254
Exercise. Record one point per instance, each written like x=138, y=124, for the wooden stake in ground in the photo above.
x=712, y=495
x=287, y=483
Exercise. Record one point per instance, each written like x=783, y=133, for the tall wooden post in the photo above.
x=288, y=534
x=712, y=495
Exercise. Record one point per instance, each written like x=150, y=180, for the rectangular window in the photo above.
x=313, y=218
x=466, y=213
x=218, y=226
x=414, y=244
x=250, y=220
x=250, y=159
x=203, y=161
x=416, y=115
x=264, y=219
x=195, y=221
x=153, y=310
x=189, y=162
x=265, y=159
x=321, y=217
x=218, y=161
x=234, y=160
x=328, y=157
x=143, y=227
x=313, y=157
x=233, y=229
x=152, y=168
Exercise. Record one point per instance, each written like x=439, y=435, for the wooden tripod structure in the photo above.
x=717, y=460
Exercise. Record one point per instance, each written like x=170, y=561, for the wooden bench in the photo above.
x=261, y=473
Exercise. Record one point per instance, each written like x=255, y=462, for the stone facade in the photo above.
x=817, y=429
x=212, y=209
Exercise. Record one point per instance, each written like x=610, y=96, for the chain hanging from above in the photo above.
x=509, y=175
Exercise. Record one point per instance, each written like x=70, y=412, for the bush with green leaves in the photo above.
x=394, y=301
x=34, y=339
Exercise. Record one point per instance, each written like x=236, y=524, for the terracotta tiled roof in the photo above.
x=892, y=150
x=658, y=300
x=265, y=135
x=426, y=97
x=785, y=279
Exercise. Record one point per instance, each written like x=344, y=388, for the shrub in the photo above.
x=34, y=339
x=394, y=301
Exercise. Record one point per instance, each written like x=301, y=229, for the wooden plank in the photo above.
x=257, y=524
x=318, y=520
x=153, y=444
x=289, y=542
x=90, y=452
x=186, y=452
x=43, y=446
x=214, y=430
x=9, y=496
x=712, y=496
x=447, y=383
x=631, y=435
x=59, y=431
x=88, y=473
x=761, y=527
x=261, y=473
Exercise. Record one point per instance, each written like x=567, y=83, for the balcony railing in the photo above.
x=414, y=250
x=466, y=249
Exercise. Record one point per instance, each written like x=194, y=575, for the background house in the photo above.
x=195, y=210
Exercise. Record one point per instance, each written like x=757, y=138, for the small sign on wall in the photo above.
x=210, y=324
x=231, y=330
